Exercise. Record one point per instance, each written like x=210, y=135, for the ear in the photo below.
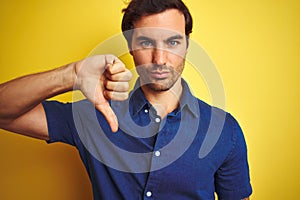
x=187, y=41
x=129, y=48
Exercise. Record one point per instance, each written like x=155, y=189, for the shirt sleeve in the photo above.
x=60, y=122
x=232, y=179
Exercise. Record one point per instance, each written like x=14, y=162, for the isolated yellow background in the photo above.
x=254, y=44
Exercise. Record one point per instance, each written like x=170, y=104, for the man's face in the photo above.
x=159, y=48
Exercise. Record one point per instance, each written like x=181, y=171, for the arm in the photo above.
x=232, y=179
x=99, y=77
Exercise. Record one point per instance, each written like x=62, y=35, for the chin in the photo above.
x=160, y=87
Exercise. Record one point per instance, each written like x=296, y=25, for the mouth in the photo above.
x=159, y=74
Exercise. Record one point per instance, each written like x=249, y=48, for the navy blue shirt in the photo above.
x=193, y=152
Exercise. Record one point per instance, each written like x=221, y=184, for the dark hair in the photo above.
x=139, y=8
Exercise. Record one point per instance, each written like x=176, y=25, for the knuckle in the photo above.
x=128, y=75
x=107, y=83
x=123, y=96
x=109, y=95
x=110, y=69
x=119, y=63
x=110, y=57
x=126, y=95
x=108, y=75
x=118, y=96
x=126, y=86
x=119, y=86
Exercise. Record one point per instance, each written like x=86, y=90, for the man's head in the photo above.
x=157, y=34
x=140, y=8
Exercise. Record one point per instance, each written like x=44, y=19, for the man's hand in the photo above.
x=101, y=78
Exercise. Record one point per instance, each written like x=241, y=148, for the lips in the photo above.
x=160, y=74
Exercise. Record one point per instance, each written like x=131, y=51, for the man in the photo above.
x=159, y=111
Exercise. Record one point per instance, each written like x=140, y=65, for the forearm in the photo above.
x=23, y=94
x=99, y=78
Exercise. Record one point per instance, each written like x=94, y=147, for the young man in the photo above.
x=155, y=151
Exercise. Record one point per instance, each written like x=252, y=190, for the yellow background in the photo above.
x=254, y=44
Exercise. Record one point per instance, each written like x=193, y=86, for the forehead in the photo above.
x=165, y=23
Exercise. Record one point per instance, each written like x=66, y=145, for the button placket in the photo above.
x=157, y=153
x=148, y=194
x=154, y=177
x=157, y=119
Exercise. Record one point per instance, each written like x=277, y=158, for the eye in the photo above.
x=146, y=44
x=173, y=43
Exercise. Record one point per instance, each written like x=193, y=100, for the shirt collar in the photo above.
x=187, y=101
x=138, y=99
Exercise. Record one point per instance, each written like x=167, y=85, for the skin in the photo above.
x=99, y=78
x=158, y=49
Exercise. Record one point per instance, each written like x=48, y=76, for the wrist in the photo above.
x=67, y=77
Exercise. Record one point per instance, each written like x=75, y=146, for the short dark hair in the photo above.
x=140, y=8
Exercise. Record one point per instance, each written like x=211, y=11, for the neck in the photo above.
x=164, y=102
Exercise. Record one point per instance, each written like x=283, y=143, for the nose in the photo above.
x=159, y=56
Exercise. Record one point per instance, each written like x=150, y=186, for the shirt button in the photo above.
x=157, y=119
x=146, y=111
x=157, y=153
x=148, y=194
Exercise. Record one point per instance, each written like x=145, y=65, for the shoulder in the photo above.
x=222, y=131
x=215, y=114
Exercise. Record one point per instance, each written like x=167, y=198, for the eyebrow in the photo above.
x=175, y=37
x=140, y=38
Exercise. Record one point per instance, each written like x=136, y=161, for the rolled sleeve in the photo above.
x=60, y=122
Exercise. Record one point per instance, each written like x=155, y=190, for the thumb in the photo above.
x=109, y=115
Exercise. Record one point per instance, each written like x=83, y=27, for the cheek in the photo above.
x=176, y=60
x=177, y=55
x=141, y=57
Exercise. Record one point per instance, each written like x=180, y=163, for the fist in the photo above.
x=101, y=78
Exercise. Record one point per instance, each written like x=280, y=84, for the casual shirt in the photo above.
x=190, y=154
